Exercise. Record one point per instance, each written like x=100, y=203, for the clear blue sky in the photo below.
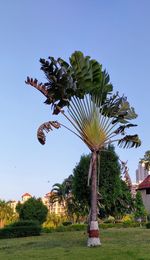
x=116, y=33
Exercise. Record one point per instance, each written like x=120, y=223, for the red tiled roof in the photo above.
x=26, y=195
x=144, y=184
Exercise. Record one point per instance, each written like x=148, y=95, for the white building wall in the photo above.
x=141, y=173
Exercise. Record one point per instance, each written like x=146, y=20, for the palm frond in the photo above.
x=91, y=124
x=129, y=141
x=119, y=108
x=47, y=126
x=121, y=129
x=39, y=86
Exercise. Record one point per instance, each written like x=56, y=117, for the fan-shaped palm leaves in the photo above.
x=97, y=116
x=94, y=125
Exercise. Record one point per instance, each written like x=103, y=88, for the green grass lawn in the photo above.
x=117, y=244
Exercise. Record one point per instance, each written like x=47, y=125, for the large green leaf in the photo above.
x=84, y=87
x=129, y=141
x=121, y=128
x=119, y=108
x=83, y=75
x=89, y=76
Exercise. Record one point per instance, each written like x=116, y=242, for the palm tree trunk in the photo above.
x=93, y=230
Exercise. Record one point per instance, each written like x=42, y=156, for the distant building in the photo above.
x=143, y=184
x=141, y=173
x=56, y=207
x=53, y=207
x=144, y=188
x=25, y=197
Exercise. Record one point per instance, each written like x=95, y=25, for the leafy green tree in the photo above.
x=68, y=184
x=109, y=181
x=62, y=191
x=63, y=194
x=114, y=195
x=124, y=203
x=32, y=209
x=80, y=188
x=59, y=193
x=77, y=212
x=146, y=160
x=139, y=206
x=53, y=220
x=6, y=213
x=98, y=116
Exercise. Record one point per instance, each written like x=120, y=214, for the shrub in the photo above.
x=118, y=221
x=148, y=225
x=73, y=227
x=48, y=229
x=110, y=219
x=83, y=227
x=107, y=225
x=77, y=227
x=148, y=217
x=24, y=223
x=67, y=223
x=32, y=209
x=127, y=219
x=140, y=211
x=21, y=229
x=53, y=220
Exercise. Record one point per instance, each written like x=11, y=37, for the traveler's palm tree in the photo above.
x=97, y=116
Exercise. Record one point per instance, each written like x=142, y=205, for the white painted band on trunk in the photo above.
x=94, y=225
x=93, y=241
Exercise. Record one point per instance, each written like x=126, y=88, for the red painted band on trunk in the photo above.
x=93, y=233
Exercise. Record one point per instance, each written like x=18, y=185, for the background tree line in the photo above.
x=114, y=196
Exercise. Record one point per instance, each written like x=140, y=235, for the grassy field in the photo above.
x=117, y=244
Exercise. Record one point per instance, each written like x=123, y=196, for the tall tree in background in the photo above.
x=139, y=208
x=32, y=209
x=146, y=160
x=59, y=193
x=97, y=116
x=63, y=193
x=124, y=203
x=80, y=189
x=6, y=213
x=110, y=182
x=114, y=195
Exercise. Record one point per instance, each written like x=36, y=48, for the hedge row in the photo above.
x=20, y=229
x=83, y=227
x=30, y=228
x=148, y=225
x=73, y=227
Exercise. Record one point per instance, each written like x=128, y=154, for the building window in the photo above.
x=148, y=191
